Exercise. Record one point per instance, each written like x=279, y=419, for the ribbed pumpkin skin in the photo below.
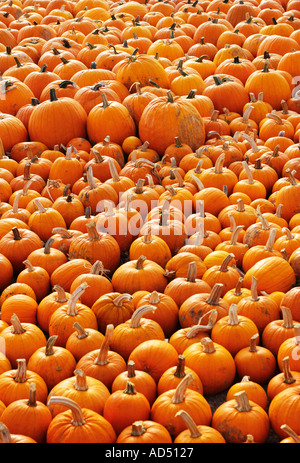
x=57, y=122
x=272, y=273
x=166, y=118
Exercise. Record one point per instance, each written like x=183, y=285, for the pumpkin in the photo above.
x=229, y=420
x=153, y=247
x=6, y=272
x=289, y=300
x=167, y=404
x=37, y=278
x=134, y=403
x=103, y=363
x=160, y=109
x=278, y=331
x=140, y=274
x=85, y=390
x=198, y=307
x=172, y=377
x=225, y=274
x=83, y=340
x=62, y=132
x=21, y=340
x=260, y=309
x=113, y=308
x=206, y=357
x=233, y=331
x=166, y=312
x=25, y=307
x=142, y=381
x=63, y=318
x=283, y=380
x=256, y=361
x=144, y=432
x=254, y=391
x=114, y=114
x=289, y=348
x=28, y=417
x=97, y=283
x=128, y=335
x=15, y=384
x=67, y=169
x=17, y=244
x=281, y=412
x=52, y=363
x=91, y=427
x=262, y=268
x=197, y=433
x=48, y=258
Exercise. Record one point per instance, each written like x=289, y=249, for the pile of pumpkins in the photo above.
x=149, y=221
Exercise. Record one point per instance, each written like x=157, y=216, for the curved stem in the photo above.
x=17, y=327
x=179, y=393
x=73, y=300
x=50, y=344
x=135, y=321
x=215, y=294
x=192, y=427
x=103, y=351
x=77, y=415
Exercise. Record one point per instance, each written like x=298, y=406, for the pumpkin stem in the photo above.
x=77, y=415
x=80, y=382
x=81, y=332
x=288, y=377
x=32, y=395
x=53, y=96
x=192, y=272
x=5, y=436
x=130, y=388
x=207, y=345
x=192, y=427
x=233, y=318
x=179, y=394
x=61, y=294
x=242, y=402
x=93, y=234
x=215, y=294
x=270, y=242
x=138, y=428
x=50, y=344
x=97, y=268
x=140, y=262
x=135, y=321
x=225, y=263
x=253, y=343
x=17, y=327
x=179, y=372
x=195, y=329
x=291, y=433
x=103, y=351
x=287, y=317
x=20, y=376
x=254, y=293
x=73, y=300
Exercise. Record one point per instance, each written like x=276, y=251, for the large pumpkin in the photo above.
x=165, y=118
x=57, y=121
